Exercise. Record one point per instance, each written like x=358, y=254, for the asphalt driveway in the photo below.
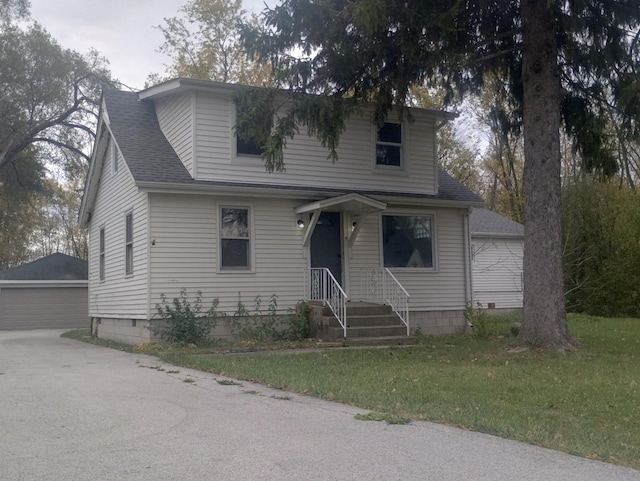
x=73, y=411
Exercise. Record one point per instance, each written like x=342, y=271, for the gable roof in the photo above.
x=153, y=163
x=485, y=222
x=55, y=267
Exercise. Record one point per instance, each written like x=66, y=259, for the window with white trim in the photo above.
x=128, y=244
x=101, y=255
x=235, y=238
x=246, y=145
x=113, y=155
x=407, y=241
x=389, y=146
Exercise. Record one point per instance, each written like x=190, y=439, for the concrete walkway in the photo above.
x=73, y=411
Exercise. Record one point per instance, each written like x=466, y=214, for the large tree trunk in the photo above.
x=544, y=322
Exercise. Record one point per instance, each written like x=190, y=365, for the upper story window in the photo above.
x=128, y=249
x=248, y=148
x=101, y=255
x=249, y=141
x=389, y=146
x=235, y=238
x=113, y=156
x=407, y=241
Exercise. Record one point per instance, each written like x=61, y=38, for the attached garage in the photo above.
x=49, y=293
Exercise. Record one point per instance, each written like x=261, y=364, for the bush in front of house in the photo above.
x=183, y=320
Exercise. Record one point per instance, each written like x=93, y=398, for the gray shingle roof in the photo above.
x=146, y=150
x=151, y=158
x=483, y=221
x=56, y=267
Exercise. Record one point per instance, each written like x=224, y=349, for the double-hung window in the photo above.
x=407, y=241
x=128, y=244
x=101, y=255
x=235, y=238
x=389, y=146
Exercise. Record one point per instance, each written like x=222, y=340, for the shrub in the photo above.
x=299, y=322
x=479, y=320
x=256, y=325
x=184, y=322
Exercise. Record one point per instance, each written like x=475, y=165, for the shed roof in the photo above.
x=152, y=160
x=486, y=222
x=55, y=267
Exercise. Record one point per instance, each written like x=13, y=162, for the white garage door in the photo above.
x=43, y=308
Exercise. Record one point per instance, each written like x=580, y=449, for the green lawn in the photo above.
x=585, y=403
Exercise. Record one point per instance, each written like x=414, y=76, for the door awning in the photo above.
x=353, y=203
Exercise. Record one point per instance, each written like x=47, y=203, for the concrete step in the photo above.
x=361, y=309
x=367, y=331
x=380, y=341
x=368, y=321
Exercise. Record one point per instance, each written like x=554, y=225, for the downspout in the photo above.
x=468, y=273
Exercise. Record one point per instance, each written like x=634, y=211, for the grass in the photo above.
x=585, y=402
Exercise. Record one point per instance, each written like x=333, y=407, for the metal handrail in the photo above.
x=380, y=284
x=320, y=285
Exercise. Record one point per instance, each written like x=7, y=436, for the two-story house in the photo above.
x=174, y=200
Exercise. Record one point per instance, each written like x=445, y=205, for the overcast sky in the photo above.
x=121, y=30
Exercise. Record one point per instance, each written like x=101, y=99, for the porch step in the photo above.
x=380, y=341
x=368, y=331
x=367, y=324
x=373, y=320
x=362, y=309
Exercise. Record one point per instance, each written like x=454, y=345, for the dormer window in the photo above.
x=248, y=148
x=389, y=149
x=247, y=142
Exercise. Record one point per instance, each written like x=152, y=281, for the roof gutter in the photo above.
x=42, y=283
x=294, y=192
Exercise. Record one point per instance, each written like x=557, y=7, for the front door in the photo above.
x=326, y=248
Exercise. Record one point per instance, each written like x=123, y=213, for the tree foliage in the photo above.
x=561, y=60
x=48, y=106
x=49, y=98
x=57, y=228
x=20, y=186
x=601, y=255
x=203, y=43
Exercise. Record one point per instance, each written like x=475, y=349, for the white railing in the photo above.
x=378, y=284
x=320, y=285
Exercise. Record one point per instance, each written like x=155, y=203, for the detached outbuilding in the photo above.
x=497, y=248
x=49, y=293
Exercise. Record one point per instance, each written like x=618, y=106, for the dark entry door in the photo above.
x=326, y=250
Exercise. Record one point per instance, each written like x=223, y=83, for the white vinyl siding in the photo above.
x=306, y=160
x=364, y=254
x=441, y=289
x=497, y=271
x=184, y=251
x=184, y=254
x=118, y=295
x=175, y=118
